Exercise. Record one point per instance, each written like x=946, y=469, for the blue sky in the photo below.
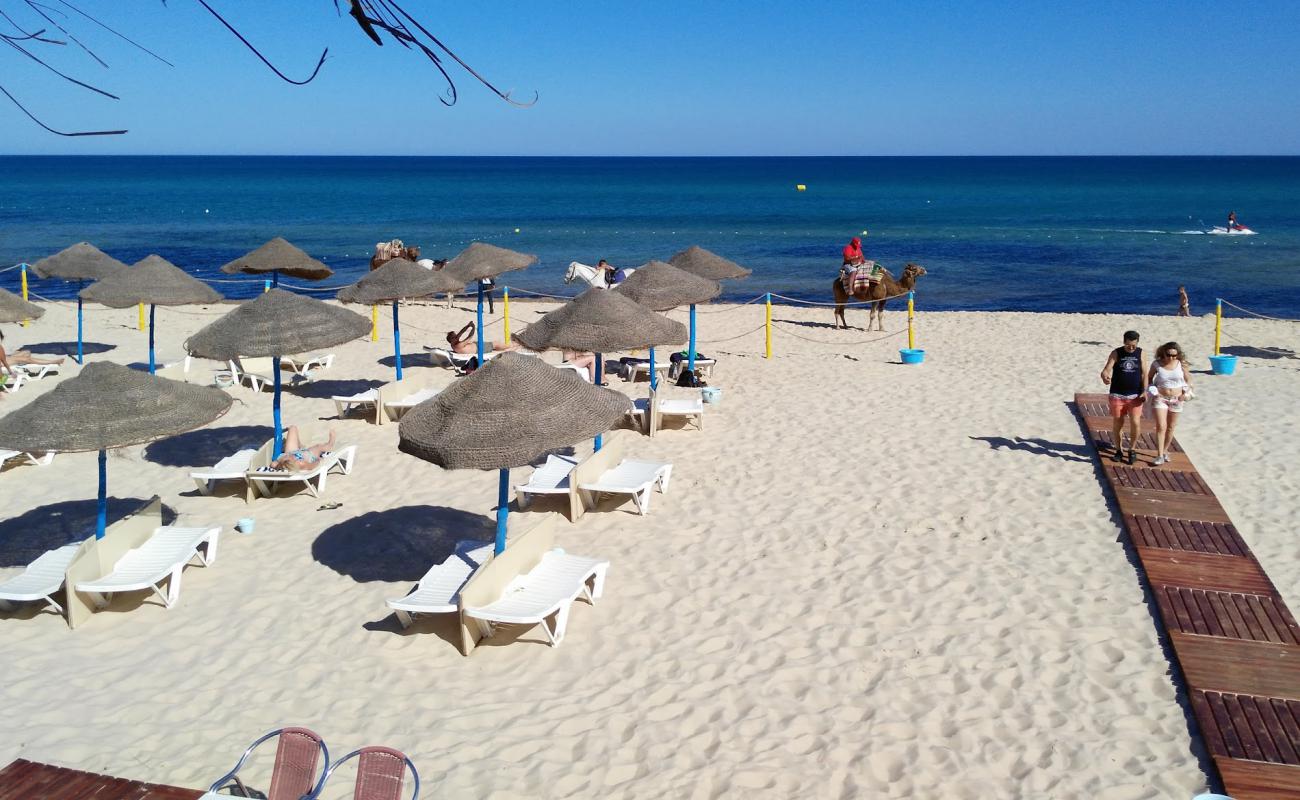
x=820, y=77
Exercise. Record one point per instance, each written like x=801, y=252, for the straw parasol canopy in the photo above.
x=507, y=414
x=277, y=323
x=278, y=255
x=81, y=262
x=601, y=321
x=153, y=280
x=706, y=264
x=663, y=287
x=15, y=309
x=399, y=279
x=481, y=260
x=108, y=405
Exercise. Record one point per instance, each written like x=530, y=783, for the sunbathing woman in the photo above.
x=296, y=457
x=464, y=342
x=585, y=360
x=20, y=357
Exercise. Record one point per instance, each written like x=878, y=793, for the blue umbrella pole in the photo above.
x=503, y=510
x=101, y=518
x=81, y=359
x=654, y=380
x=277, y=449
x=600, y=361
x=690, y=355
x=480, y=323
x=275, y=277
x=151, y=361
x=397, y=342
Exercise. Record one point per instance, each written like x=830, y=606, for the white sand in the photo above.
x=866, y=580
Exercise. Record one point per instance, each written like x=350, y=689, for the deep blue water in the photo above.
x=1037, y=234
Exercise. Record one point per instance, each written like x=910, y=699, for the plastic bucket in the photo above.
x=1211, y=796
x=712, y=395
x=910, y=356
x=1223, y=365
x=245, y=525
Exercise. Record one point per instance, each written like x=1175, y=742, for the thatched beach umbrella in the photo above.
x=277, y=323
x=507, y=414
x=661, y=287
x=15, y=309
x=479, y=261
x=706, y=264
x=398, y=279
x=106, y=406
x=153, y=280
x=278, y=256
x=81, y=262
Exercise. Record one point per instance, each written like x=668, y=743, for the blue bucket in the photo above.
x=910, y=356
x=1223, y=365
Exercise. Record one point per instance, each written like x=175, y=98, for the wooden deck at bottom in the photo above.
x=32, y=780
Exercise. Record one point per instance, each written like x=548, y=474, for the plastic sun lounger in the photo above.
x=42, y=578
x=394, y=409
x=550, y=478
x=689, y=409
x=442, y=357
x=583, y=372
x=703, y=365
x=438, y=591
x=636, y=369
x=256, y=372
x=634, y=478
x=304, y=365
x=26, y=373
x=230, y=468
x=163, y=556
x=340, y=460
x=549, y=588
x=29, y=458
x=362, y=401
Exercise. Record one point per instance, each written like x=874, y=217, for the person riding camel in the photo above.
x=856, y=268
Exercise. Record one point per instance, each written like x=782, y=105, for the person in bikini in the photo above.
x=465, y=343
x=296, y=457
x=1123, y=374
x=11, y=361
x=1169, y=388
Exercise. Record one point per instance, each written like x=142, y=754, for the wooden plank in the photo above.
x=1239, y=666
x=1175, y=505
x=31, y=779
x=1252, y=780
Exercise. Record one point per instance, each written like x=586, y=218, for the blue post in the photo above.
x=397, y=342
x=275, y=277
x=600, y=362
x=480, y=322
x=503, y=510
x=81, y=358
x=690, y=355
x=278, y=448
x=654, y=381
x=101, y=518
x=266, y=286
x=151, y=362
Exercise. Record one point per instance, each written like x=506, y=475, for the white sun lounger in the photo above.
x=550, y=478
x=340, y=460
x=649, y=411
x=634, y=478
x=394, y=409
x=636, y=369
x=162, y=557
x=42, y=578
x=305, y=365
x=548, y=588
x=703, y=365
x=442, y=357
x=583, y=372
x=361, y=401
x=256, y=372
x=28, y=458
x=26, y=373
x=438, y=591
x=230, y=468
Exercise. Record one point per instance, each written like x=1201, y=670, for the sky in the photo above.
x=817, y=77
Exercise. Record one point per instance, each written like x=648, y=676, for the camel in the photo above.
x=886, y=288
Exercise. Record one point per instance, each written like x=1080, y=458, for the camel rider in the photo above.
x=855, y=261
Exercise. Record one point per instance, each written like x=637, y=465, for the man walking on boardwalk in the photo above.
x=1124, y=373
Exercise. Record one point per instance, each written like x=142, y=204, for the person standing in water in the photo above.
x=1184, y=307
x=1125, y=374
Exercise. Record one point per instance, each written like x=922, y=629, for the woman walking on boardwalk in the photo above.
x=1169, y=388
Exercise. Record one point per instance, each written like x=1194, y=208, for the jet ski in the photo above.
x=1235, y=230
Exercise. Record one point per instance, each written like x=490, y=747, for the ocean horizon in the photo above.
x=1113, y=234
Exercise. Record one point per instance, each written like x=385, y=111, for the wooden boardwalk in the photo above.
x=32, y=780
x=1237, y=644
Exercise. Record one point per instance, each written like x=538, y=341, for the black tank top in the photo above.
x=1126, y=377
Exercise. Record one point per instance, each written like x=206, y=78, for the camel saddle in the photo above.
x=864, y=277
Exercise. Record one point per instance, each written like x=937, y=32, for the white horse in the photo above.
x=590, y=276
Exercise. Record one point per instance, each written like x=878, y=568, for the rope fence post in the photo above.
x=1218, y=322
x=911, y=334
x=266, y=287
x=769, y=325
x=24, y=266
x=140, y=324
x=505, y=300
x=374, y=323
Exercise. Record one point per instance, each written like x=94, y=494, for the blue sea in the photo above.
x=1093, y=234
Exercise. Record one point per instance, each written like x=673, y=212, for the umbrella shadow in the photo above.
x=398, y=544
x=68, y=348
x=27, y=536
x=1249, y=351
x=1042, y=447
x=325, y=389
x=206, y=446
x=1091, y=342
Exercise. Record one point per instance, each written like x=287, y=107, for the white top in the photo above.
x=1171, y=378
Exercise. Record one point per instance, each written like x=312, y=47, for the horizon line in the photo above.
x=647, y=156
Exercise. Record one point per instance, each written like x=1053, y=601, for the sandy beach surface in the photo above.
x=866, y=580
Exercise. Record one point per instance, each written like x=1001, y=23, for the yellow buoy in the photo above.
x=799, y=187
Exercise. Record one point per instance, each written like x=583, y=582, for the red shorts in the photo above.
x=1119, y=406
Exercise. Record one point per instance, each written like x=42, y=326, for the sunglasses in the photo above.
x=1171, y=353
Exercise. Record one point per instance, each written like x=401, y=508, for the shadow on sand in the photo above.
x=1041, y=447
x=1248, y=351
x=324, y=390
x=398, y=544
x=205, y=447
x=67, y=348
x=27, y=536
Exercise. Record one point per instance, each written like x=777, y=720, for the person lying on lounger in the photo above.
x=296, y=457
x=20, y=357
x=581, y=359
x=464, y=342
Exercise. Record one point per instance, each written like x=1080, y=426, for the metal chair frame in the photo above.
x=415, y=776
x=233, y=774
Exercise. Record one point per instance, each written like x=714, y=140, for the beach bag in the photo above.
x=690, y=380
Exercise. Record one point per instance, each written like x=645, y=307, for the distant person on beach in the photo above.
x=1184, y=307
x=464, y=342
x=1123, y=374
x=17, y=358
x=296, y=457
x=488, y=285
x=1169, y=387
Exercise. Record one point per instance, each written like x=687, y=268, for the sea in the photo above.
x=1060, y=234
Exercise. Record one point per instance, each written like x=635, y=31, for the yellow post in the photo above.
x=1218, y=323
x=911, y=335
x=505, y=300
x=769, y=325
x=140, y=322
x=25, y=322
x=374, y=323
